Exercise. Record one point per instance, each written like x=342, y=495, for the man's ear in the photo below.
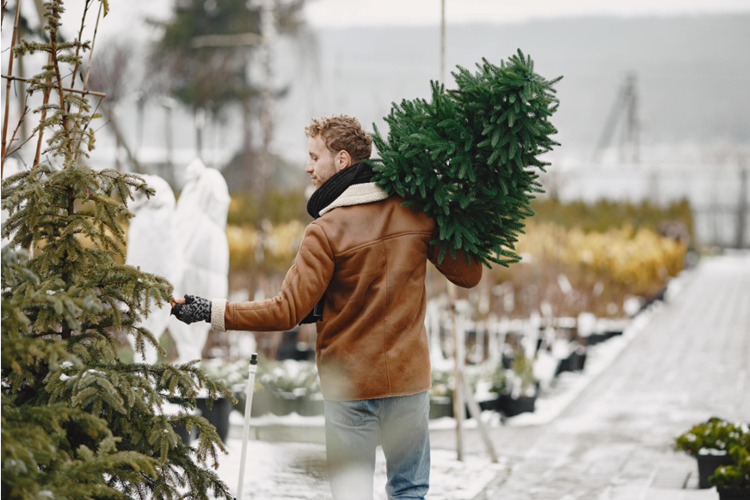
x=343, y=160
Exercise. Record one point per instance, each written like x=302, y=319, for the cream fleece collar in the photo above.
x=357, y=194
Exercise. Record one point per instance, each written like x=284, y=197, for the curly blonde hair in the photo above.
x=342, y=133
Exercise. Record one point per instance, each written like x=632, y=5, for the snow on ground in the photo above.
x=297, y=471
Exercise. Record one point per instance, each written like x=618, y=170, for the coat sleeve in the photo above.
x=304, y=285
x=457, y=270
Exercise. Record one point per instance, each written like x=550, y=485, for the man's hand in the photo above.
x=191, y=309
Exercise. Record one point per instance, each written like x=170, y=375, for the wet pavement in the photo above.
x=613, y=442
x=687, y=361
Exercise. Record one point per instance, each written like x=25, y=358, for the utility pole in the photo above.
x=626, y=104
x=629, y=144
x=742, y=207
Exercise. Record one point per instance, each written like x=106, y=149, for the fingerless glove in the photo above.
x=194, y=309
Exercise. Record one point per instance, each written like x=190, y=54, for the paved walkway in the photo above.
x=613, y=442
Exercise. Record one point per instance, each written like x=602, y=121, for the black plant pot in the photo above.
x=595, y=338
x=181, y=430
x=218, y=415
x=309, y=406
x=734, y=494
x=491, y=404
x=563, y=366
x=612, y=333
x=441, y=406
x=707, y=465
x=507, y=361
x=262, y=403
x=523, y=404
x=576, y=360
x=285, y=403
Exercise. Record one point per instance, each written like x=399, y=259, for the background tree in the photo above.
x=63, y=384
x=110, y=75
x=209, y=75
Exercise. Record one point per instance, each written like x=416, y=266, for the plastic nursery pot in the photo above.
x=507, y=361
x=218, y=415
x=262, y=403
x=523, y=404
x=564, y=366
x=441, y=406
x=733, y=494
x=707, y=465
x=180, y=428
x=577, y=359
x=612, y=333
x=584, y=356
x=595, y=338
x=285, y=403
x=311, y=405
x=491, y=404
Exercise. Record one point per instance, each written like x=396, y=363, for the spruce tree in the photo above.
x=78, y=422
x=469, y=157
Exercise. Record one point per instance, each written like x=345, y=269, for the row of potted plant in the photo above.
x=509, y=391
x=722, y=451
x=285, y=387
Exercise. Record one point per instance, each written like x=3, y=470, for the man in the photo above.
x=364, y=259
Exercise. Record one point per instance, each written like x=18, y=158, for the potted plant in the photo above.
x=283, y=382
x=499, y=386
x=522, y=385
x=310, y=402
x=262, y=397
x=230, y=374
x=733, y=481
x=441, y=394
x=709, y=442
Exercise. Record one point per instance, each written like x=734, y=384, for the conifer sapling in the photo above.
x=78, y=422
x=470, y=156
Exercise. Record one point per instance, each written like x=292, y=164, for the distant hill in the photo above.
x=693, y=80
x=693, y=73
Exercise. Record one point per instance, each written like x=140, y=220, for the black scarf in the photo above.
x=359, y=173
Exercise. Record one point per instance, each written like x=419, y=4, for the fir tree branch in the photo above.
x=93, y=41
x=11, y=56
x=40, y=127
x=13, y=136
x=66, y=89
x=86, y=5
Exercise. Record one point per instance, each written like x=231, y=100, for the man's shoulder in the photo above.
x=360, y=224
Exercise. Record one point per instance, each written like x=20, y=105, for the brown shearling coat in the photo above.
x=370, y=261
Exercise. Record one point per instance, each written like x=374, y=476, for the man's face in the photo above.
x=320, y=161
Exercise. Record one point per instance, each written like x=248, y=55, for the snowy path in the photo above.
x=291, y=471
x=613, y=442
x=691, y=360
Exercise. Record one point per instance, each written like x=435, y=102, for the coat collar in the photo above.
x=357, y=194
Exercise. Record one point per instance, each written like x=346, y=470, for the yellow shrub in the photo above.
x=617, y=263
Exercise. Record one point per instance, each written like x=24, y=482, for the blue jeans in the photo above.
x=353, y=430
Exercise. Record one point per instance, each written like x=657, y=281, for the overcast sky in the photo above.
x=126, y=17
x=369, y=12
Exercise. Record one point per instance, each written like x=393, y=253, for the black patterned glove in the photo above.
x=194, y=309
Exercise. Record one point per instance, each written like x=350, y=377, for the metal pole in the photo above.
x=458, y=359
x=246, y=426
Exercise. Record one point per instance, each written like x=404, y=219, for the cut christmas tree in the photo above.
x=470, y=157
x=77, y=422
